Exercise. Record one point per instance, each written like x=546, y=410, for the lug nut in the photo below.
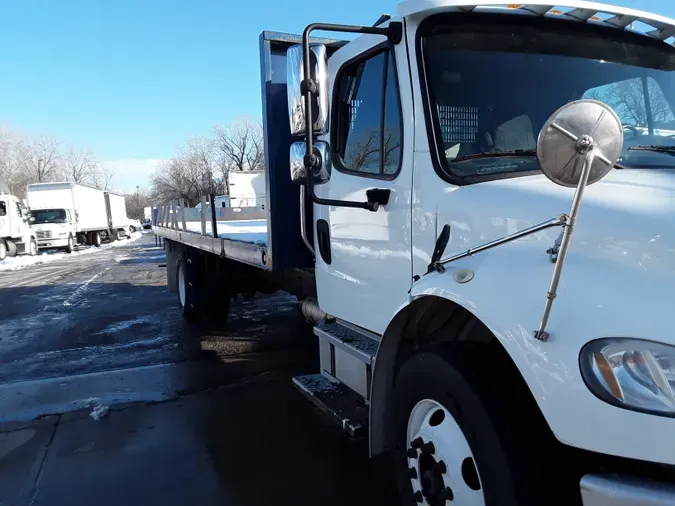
x=440, y=467
x=418, y=497
x=446, y=494
x=417, y=442
x=412, y=473
x=428, y=448
x=411, y=453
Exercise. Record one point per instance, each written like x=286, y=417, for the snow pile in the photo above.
x=22, y=261
x=251, y=231
x=99, y=411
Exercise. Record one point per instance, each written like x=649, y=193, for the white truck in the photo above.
x=16, y=234
x=67, y=214
x=247, y=188
x=481, y=228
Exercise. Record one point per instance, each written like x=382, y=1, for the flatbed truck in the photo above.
x=473, y=203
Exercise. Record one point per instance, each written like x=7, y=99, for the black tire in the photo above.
x=71, y=244
x=3, y=250
x=96, y=239
x=510, y=454
x=32, y=247
x=132, y=229
x=187, y=291
x=11, y=248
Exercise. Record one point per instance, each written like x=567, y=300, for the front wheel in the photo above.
x=71, y=245
x=11, y=248
x=33, y=248
x=459, y=436
x=96, y=239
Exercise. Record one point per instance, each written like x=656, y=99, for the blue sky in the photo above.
x=135, y=78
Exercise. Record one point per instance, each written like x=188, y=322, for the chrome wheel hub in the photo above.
x=441, y=465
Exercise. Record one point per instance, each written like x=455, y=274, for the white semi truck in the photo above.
x=67, y=214
x=16, y=234
x=477, y=213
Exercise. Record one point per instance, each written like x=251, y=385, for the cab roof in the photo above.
x=645, y=23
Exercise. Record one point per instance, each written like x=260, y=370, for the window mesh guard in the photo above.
x=459, y=124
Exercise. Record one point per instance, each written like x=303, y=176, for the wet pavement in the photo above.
x=196, y=416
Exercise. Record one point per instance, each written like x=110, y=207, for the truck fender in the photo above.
x=414, y=309
x=506, y=292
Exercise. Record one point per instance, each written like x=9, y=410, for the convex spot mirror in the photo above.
x=571, y=133
x=297, y=163
x=296, y=102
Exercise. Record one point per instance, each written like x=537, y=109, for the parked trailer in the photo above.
x=468, y=323
x=66, y=214
x=117, y=215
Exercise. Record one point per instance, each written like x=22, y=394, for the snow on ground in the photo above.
x=22, y=261
x=251, y=231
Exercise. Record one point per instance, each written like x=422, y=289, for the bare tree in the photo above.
x=136, y=202
x=80, y=166
x=40, y=159
x=628, y=99
x=102, y=177
x=241, y=147
x=190, y=173
x=203, y=164
x=10, y=162
x=365, y=153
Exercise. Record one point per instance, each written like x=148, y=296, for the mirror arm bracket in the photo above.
x=560, y=221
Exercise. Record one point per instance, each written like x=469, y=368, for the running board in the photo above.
x=347, y=353
x=337, y=400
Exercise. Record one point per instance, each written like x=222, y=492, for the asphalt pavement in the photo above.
x=107, y=397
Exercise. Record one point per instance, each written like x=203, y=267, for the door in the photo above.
x=363, y=257
x=4, y=218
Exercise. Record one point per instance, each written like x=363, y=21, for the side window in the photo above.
x=630, y=99
x=3, y=208
x=18, y=210
x=367, y=118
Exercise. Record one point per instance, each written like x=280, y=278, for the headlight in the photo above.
x=631, y=373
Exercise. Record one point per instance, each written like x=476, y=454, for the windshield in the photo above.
x=49, y=216
x=492, y=86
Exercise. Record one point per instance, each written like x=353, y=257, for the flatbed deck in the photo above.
x=241, y=233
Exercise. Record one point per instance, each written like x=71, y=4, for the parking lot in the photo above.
x=109, y=398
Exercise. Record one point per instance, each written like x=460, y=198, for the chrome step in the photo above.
x=337, y=400
x=347, y=354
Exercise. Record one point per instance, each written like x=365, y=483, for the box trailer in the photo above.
x=117, y=214
x=474, y=204
x=66, y=214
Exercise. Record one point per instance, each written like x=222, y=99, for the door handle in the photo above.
x=378, y=196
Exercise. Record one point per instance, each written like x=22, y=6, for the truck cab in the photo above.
x=474, y=204
x=421, y=154
x=55, y=228
x=16, y=234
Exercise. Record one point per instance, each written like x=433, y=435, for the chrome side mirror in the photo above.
x=580, y=143
x=296, y=101
x=577, y=146
x=297, y=163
